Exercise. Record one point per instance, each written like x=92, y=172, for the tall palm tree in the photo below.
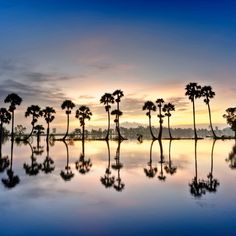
x=230, y=117
x=68, y=105
x=118, y=94
x=208, y=94
x=14, y=100
x=34, y=111
x=168, y=108
x=83, y=113
x=193, y=91
x=47, y=113
x=107, y=99
x=159, y=102
x=150, y=106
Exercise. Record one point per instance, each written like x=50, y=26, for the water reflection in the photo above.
x=83, y=165
x=108, y=180
x=12, y=180
x=150, y=171
x=67, y=174
x=161, y=175
x=4, y=160
x=232, y=158
x=48, y=164
x=169, y=168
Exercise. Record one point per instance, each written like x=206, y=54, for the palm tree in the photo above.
x=150, y=171
x=167, y=109
x=118, y=94
x=68, y=105
x=230, y=117
x=83, y=113
x=207, y=93
x=14, y=100
x=107, y=99
x=47, y=113
x=159, y=102
x=193, y=91
x=67, y=175
x=107, y=180
x=34, y=111
x=170, y=169
x=150, y=106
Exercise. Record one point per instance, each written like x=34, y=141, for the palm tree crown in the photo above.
x=167, y=108
x=82, y=114
x=107, y=99
x=14, y=100
x=118, y=94
x=193, y=90
x=68, y=105
x=47, y=113
x=149, y=106
x=207, y=93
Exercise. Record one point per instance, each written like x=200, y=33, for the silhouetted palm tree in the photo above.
x=150, y=106
x=14, y=101
x=107, y=180
x=34, y=168
x=193, y=91
x=12, y=180
x=159, y=102
x=118, y=94
x=212, y=183
x=232, y=158
x=230, y=117
x=68, y=105
x=197, y=186
x=168, y=108
x=208, y=94
x=107, y=99
x=38, y=130
x=170, y=169
x=47, y=113
x=161, y=176
x=34, y=111
x=83, y=113
x=150, y=171
x=67, y=175
x=47, y=166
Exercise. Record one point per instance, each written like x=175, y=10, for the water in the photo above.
x=46, y=204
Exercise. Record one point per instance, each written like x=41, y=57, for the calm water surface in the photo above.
x=188, y=189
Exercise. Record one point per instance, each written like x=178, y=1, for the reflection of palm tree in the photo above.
x=48, y=166
x=5, y=118
x=161, y=176
x=67, y=175
x=211, y=183
x=169, y=168
x=118, y=94
x=167, y=109
x=150, y=106
x=14, y=100
x=34, y=167
x=34, y=111
x=107, y=180
x=193, y=91
x=150, y=171
x=107, y=99
x=68, y=105
x=197, y=187
x=207, y=93
x=47, y=113
x=159, y=102
x=118, y=185
x=232, y=158
x=38, y=130
x=12, y=179
x=83, y=113
x=83, y=165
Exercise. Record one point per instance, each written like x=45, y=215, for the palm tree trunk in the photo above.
x=161, y=151
x=194, y=121
x=12, y=126
x=195, y=155
x=170, y=154
x=1, y=137
x=38, y=139
x=67, y=128
x=108, y=128
x=150, y=127
x=118, y=123
x=83, y=133
x=12, y=143
x=212, y=130
x=47, y=133
x=109, y=155
x=169, y=127
x=212, y=155
x=160, y=121
x=31, y=132
x=151, y=152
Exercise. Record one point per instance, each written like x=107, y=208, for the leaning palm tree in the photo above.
x=159, y=102
x=14, y=100
x=83, y=113
x=193, y=91
x=68, y=105
x=150, y=106
x=207, y=93
x=107, y=99
x=118, y=94
x=34, y=111
x=167, y=109
x=47, y=113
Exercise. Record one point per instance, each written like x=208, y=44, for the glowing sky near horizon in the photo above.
x=56, y=50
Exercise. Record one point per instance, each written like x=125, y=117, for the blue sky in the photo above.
x=52, y=50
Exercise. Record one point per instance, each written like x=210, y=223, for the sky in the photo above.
x=52, y=50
